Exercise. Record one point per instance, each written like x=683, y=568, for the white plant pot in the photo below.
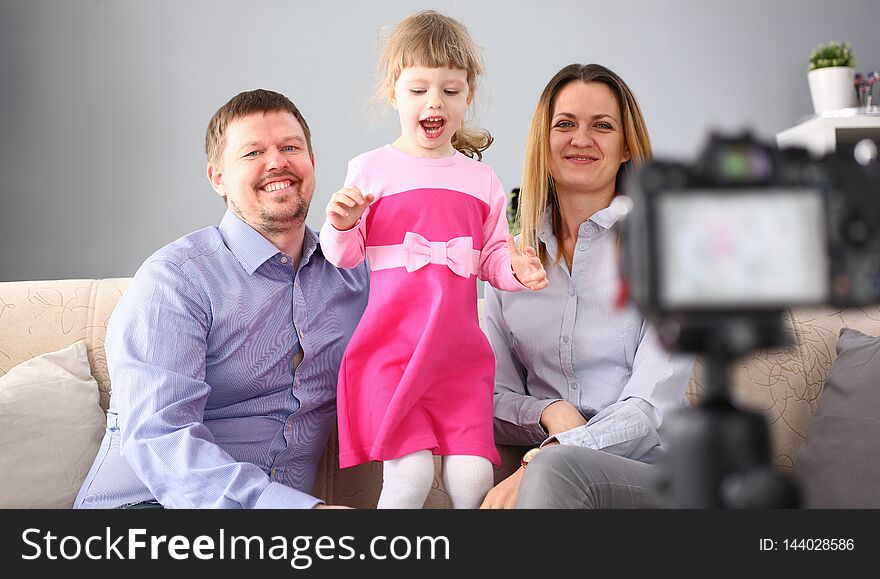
x=832, y=88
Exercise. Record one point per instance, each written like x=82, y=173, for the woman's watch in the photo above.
x=528, y=456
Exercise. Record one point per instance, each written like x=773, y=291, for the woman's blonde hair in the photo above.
x=433, y=40
x=537, y=191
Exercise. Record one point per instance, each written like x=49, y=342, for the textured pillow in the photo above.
x=838, y=465
x=50, y=428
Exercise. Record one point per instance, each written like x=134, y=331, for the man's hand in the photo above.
x=503, y=496
x=526, y=266
x=346, y=207
x=561, y=416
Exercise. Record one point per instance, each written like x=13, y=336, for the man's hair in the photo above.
x=242, y=105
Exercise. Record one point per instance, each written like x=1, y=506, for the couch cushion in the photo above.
x=837, y=465
x=44, y=316
x=785, y=383
x=50, y=428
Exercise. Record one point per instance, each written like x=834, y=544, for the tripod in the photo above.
x=719, y=454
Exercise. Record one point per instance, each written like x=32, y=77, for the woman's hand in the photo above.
x=526, y=266
x=561, y=416
x=503, y=496
x=346, y=207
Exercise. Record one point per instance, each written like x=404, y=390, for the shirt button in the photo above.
x=302, y=334
x=582, y=247
x=283, y=259
x=570, y=292
x=574, y=385
x=565, y=339
x=274, y=470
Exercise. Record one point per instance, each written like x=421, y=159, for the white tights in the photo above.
x=407, y=480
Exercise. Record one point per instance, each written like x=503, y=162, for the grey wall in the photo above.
x=104, y=103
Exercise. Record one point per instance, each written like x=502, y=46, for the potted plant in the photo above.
x=831, y=76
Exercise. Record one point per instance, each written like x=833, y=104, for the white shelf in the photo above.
x=822, y=134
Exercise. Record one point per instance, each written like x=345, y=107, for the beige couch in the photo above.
x=37, y=317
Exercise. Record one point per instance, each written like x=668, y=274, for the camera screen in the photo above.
x=743, y=248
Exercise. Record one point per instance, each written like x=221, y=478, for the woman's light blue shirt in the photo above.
x=570, y=342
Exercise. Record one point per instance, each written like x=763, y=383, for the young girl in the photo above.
x=417, y=377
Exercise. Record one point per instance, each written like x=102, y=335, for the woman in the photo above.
x=574, y=371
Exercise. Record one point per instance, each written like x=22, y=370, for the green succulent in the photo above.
x=832, y=54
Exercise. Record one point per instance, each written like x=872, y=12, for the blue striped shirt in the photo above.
x=209, y=408
x=569, y=342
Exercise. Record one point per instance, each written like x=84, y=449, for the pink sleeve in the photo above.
x=346, y=248
x=494, y=258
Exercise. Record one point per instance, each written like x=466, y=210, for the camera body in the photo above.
x=749, y=229
x=714, y=253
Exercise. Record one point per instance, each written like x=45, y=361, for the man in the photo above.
x=224, y=351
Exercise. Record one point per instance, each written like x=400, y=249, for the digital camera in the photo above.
x=748, y=228
x=715, y=252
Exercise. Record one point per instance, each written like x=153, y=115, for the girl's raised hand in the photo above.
x=526, y=266
x=346, y=206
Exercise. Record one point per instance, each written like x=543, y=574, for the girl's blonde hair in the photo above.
x=537, y=191
x=433, y=40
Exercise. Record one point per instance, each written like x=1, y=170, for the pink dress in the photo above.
x=419, y=372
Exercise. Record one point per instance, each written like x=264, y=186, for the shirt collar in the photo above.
x=310, y=244
x=247, y=245
x=251, y=249
x=604, y=219
x=545, y=234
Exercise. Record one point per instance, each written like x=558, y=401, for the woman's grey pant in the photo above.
x=572, y=477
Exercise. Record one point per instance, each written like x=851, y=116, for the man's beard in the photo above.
x=292, y=213
x=284, y=213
